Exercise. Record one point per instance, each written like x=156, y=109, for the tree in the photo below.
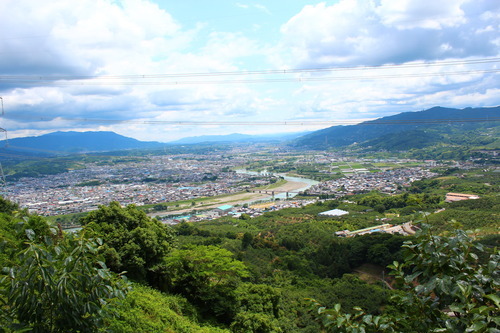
x=247, y=240
x=133, y=242
x=7, y=207
x=245, y=217
x=450, y=284
x=251, y=322
x=259, y=309
x=59, y=285
x=208, y=276
x=147, y=310
x=13, y=232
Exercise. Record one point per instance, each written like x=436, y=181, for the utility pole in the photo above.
x=3, y=183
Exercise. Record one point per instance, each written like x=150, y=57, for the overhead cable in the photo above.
x=270, y=123
x=145, y=79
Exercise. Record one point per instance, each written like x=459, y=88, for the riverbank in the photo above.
x=238, y=198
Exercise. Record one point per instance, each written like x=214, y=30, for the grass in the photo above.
x=357, y=166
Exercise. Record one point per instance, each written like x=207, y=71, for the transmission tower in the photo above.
x=3, y=183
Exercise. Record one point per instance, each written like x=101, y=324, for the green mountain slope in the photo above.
x=486, y=137
x=403, y=126
x=75, y=142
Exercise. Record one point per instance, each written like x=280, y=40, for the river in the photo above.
x=306, y=181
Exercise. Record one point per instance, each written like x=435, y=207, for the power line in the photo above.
x=33, y=149
x=269, y=123
x=253, y=72
x=139, y=79
x=249, y=81
x=8, y=154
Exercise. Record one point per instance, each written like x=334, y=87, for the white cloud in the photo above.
x=224, y=46
x=105, y=37
x=410, y=14
x=358, y=32
x=82, y=37
x=242, y=5
x=137, y=37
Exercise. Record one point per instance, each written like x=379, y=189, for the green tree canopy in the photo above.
x=133, y=242
x=58, y=285
x=208, y=276
x=7, y=206
x=450, y=284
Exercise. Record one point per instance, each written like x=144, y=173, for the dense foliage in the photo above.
x=449, y=284
x=208, y=276
x=54, y=282
x=148, y=310
x=242, y=274
x=133, y=242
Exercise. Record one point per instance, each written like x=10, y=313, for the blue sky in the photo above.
x=161, y=70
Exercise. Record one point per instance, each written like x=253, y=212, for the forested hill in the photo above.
x=76, y=142
x=440, y=120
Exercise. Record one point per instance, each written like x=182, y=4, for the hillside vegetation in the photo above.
x=127, y=272
x=433, y=133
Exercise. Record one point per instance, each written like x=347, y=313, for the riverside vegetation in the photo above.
x=284, y=271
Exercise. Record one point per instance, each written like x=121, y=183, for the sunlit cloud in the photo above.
x=103, y=50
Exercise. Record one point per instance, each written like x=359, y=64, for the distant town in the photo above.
x=184, y=179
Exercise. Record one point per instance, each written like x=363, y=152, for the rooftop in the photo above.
x=225, y=207
x=334, y=212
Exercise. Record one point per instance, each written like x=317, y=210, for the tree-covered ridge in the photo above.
x=485, y=137
x=61, y=143
x=438, y=119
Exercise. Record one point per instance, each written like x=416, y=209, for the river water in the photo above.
x=306, y=181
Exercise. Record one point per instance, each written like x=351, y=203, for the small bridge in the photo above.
x=273, y=193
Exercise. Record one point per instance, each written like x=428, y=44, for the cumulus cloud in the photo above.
x=96, y=38
x=75, y=38
x=134, y=39
x=384, y=39
x=358, y=32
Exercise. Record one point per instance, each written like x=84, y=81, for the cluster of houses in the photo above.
x=390, y=181
x=401, y=229
x=153, y=181
x=235, y=211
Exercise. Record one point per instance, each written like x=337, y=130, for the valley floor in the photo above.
x=235, y=199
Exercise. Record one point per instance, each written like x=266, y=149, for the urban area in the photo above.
x=186, y=179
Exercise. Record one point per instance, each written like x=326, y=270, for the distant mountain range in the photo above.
x=61, y=143
x=409, y=130
x=57, y=143
x=405, y=130
x=236, y=137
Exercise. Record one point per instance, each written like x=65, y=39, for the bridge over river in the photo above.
x=283, y=194
x=291, y=188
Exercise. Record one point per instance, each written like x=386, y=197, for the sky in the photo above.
x=160, y=70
